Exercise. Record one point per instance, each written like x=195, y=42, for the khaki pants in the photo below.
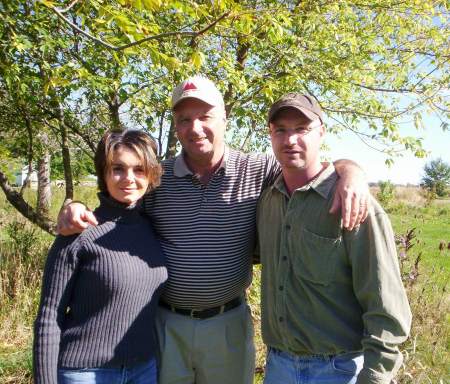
x=218, y=350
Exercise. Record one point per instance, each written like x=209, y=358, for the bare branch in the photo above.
x=389, y=90
x=69, y=6
x=362, y=136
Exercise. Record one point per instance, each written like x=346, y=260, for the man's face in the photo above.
x=295, y=139
x=200, y=128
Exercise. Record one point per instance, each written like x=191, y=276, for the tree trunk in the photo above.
x=44, y=192
x=113, y=106
x=66, y=157
x=68, y=178
x=26, y=182
x=172, y=140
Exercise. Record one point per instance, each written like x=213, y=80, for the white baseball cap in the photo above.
x=198, y=87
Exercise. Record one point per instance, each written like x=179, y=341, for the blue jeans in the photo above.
x=139, y=374
x=285, y=368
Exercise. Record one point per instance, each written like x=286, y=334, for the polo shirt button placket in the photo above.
x=196, y=182
x=204, y=201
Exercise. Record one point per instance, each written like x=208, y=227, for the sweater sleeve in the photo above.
x=379, y=289
x=58, y=280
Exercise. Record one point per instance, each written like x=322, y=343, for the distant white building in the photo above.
x=22, y=175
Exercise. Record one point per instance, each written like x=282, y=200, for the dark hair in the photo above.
x=140, y=143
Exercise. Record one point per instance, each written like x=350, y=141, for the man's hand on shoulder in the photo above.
x=74, y=218
x=352, y=194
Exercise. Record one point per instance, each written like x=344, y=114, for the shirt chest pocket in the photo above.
x=314, y=257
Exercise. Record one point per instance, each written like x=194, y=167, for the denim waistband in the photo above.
x=309, y=357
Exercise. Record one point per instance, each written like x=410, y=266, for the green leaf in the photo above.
x=197, y=59
x=152, y=5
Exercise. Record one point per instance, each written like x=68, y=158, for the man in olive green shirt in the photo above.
x=334, y=309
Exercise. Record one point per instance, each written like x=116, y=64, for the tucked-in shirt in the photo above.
x=326, y=290
x=208, y=231
x=99, y=296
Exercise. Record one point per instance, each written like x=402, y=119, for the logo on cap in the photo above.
x=200, y=88
x=188, y=86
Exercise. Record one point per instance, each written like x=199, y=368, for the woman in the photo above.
x=100, y=290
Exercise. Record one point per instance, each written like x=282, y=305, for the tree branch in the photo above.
x=69, y=6
x=241, y=56
x=208, y=27
x=18, y=202
x=360, y=135
x=160, y=36
x=54, y=115
x=389, y=90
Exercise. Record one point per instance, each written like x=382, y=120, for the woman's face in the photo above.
x=126, y=180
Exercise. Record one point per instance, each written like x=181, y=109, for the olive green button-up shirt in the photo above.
x=326, y=290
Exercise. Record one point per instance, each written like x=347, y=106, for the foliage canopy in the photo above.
x=69, y=70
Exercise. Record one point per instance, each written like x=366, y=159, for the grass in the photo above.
x=425, y=266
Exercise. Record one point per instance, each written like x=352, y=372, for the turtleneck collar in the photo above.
x=113, y=210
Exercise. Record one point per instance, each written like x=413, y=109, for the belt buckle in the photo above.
x=192, y=314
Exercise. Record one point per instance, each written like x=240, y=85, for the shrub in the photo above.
x=437, y=177
x=386, y=194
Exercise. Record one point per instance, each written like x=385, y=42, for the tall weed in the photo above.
x=22, y=252
x=425, y=353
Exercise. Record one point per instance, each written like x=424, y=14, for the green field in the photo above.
x=425, y=265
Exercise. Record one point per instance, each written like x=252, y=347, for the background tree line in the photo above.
x=69, y=70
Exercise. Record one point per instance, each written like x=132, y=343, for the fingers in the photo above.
x=336, y=204
x=74, y=218
x=71, y=225
x=90, y=218
x=363, y=210
x=348, y=209
x=343, y=203
x=354, y=206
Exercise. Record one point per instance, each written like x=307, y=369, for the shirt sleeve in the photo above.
x=272, y=170
x=58, y=280
x=379, y=289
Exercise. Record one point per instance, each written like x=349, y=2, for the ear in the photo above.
x=224, y=116
x=322, y=131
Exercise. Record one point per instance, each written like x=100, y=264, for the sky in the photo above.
x=406, y=169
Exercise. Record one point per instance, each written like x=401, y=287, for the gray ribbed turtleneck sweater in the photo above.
x=99, y=296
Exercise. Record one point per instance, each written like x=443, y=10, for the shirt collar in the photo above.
x=181, y=169
x=322, y=184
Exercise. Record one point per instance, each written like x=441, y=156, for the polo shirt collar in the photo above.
x=181, y=169
x=322, y=184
